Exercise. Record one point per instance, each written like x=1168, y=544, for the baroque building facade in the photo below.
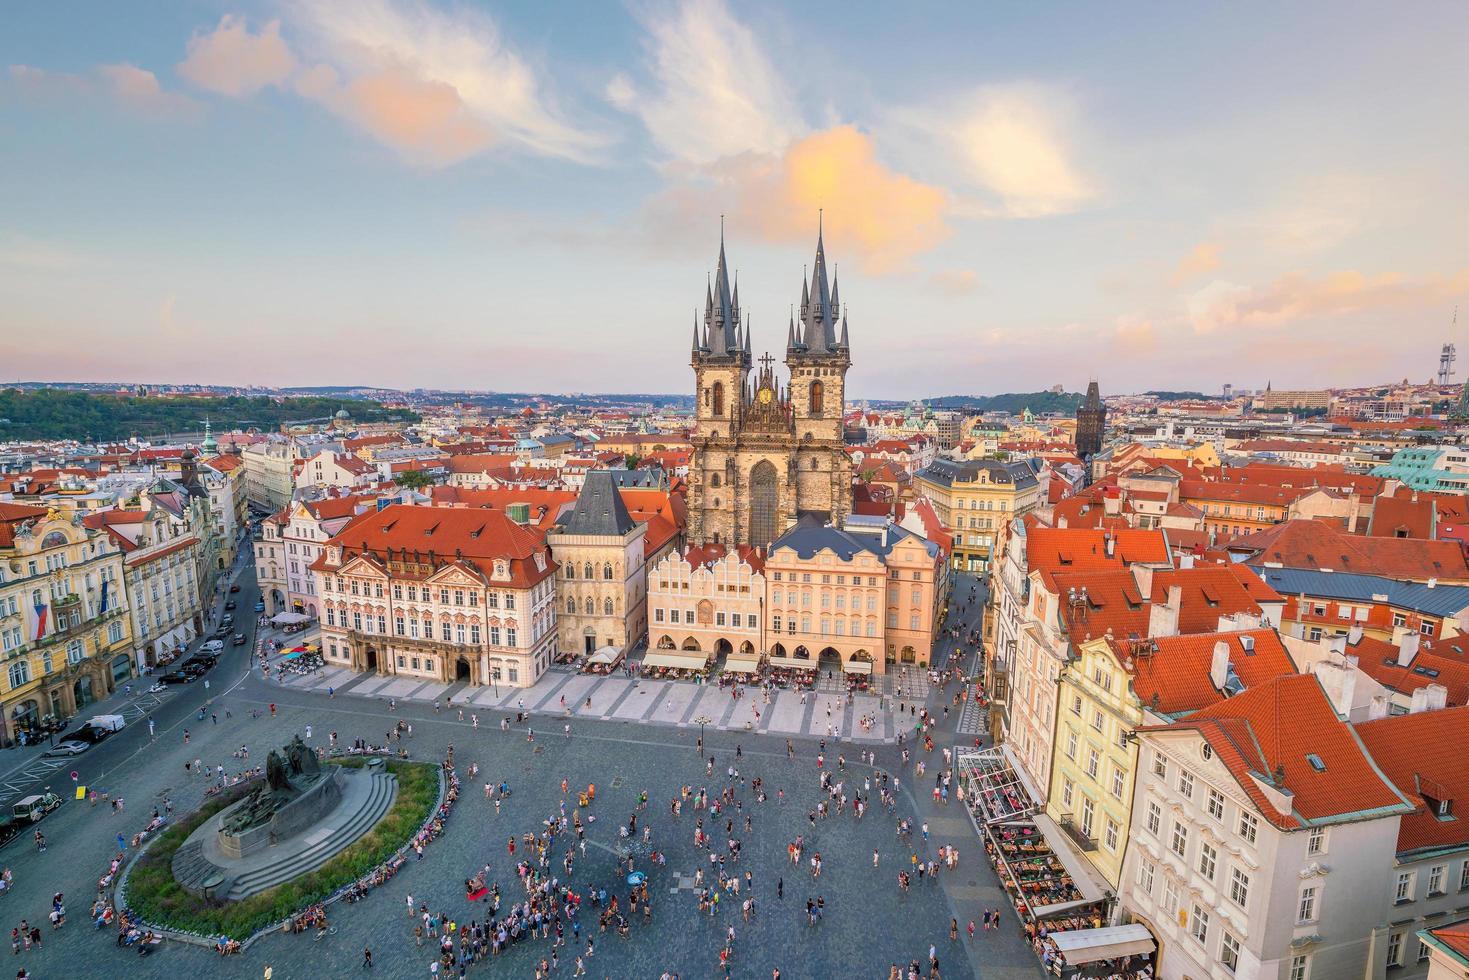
x=765, y=453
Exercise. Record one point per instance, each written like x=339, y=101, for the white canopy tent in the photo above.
x=1082, y=946
x=857, y=667
x=606, y=655
x=290, y=618
x=678, y=659
x=747, y=663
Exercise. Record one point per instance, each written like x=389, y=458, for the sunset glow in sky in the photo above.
x=527, y=196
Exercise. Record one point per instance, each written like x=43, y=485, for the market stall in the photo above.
x=604, y=661
x=1124, y=950
x=741, y=668
x=787, y=671
x=859, y=673
x=675, y=664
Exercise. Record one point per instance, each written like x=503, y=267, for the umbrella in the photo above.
x=292, y=655
x=289, y=618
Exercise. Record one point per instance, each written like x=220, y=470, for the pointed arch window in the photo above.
x=607, y=571
x=586, y=571
x=717, y=395
x=607, y=606
x=591, y=607
x=818, y=396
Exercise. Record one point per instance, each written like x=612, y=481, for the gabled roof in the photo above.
x=1378, y=659
x=599, y=509
x=1068, y=549
x=1414, y=752
x=1286, y=733
x=1438, y=600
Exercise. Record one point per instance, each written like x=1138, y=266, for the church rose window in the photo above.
x=762, y=503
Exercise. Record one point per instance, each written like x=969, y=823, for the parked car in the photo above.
x=234, y=588
x=229, y=605
x=68, y=747
x=240, y=639
x=260, y=605
x=87, y=734
x=221, y=632
x=213, y=646
x=177, y=677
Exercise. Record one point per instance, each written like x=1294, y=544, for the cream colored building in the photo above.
x=269, y=477
x=864, y=594
x=709, y=600
x=603, y=586
x=974, y=499
x=270, y=563
x=64, y=628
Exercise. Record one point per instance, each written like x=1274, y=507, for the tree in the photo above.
x=631, y=460
x=414, y=480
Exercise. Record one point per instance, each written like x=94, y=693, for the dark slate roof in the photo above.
x=648, y=478
x=808, y=537
x=948, y=472
x=599, y=509
x=1439, y=600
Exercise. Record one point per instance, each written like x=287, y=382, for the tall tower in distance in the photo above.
x=1447, y=356
x=1091, y=423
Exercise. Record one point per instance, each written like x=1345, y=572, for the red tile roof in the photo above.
x=1273, y=731
x=1177, y=673
x=1411, y=751
x=474, y=538
x=1318, y=545
x=1378, y=659
x=1075, y=549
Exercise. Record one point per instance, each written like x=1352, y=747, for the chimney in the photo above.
x=1219, y=666
x=1109, y=543
x=1430, y=698
x=1354, y=636
x=1407, y=648
x=1112, y=504
x=1378, y=708
x=1143, y=576
x=1354, y=500
x=1163, y=619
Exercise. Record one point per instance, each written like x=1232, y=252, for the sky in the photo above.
x=528, y=197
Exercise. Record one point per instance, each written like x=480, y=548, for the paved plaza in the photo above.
x=868, y=923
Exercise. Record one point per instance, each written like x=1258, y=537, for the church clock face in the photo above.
x=766, y=396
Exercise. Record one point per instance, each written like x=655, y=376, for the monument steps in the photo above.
x=381, y=791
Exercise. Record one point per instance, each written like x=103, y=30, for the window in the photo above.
x=1464, y=876
x=1435, y=879
x=399, y=626
x=1216, y=804
x=1160, y=765
x=75, y=651
x=1076, y=705
x=1306, y=909
x=1119, y=779
x=1249, y=827
x=1199, y=923
x=1239, y=887
x=1145, y=871
x=1316, y=843
x=1229, y=953
x=1109, y=839
x=1299, y=967
x=1208, y=860
x=1186, y=783
x=1395, y=949
x=447, y=632
x=20, y=673
x=474, y=634
x=1403, y=892
x=1179, y=842
x=1170, y=895
x=1155, y=817
x=1068, y=792
x=1088, y=815
x=1093, y=762
x=1097, y=720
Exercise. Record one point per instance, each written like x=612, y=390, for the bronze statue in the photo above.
x=277, y=775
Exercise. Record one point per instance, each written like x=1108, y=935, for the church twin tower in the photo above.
x=763, y=453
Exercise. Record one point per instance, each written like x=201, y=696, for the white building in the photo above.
x=1262, y=840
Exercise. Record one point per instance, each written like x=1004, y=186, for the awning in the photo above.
x=678, y=659
x=857, y=667
x=747, y=663
x=792, y=663
x=606, y=655
x=289, y=618
x=1082, y=946
x=1083, y=876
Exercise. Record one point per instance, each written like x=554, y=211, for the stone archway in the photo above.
x=370, y=658
x=462, y=670
x=829, y=659
x=690, y=643
x=723, y=646
x=908, y=656
x=83, y=692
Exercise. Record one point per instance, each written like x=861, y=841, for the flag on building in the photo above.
x=41, y=612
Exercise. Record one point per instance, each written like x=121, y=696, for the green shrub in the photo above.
x=159, y=900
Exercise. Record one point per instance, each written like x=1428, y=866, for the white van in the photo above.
x=108, y=723
x=213, y=646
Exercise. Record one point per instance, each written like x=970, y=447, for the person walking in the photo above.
x=366, y=958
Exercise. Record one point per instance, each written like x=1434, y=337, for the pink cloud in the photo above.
x=1297, y=297
x=130, y=87
x=232, y=61
x=1204, y=258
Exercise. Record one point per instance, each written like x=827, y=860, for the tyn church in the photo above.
x=766, y=454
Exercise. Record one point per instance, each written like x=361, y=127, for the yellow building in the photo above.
x=974, y=499
x=1114, y=685
x=64, y=629
x=1203, y=454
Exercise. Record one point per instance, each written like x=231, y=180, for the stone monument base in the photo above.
x=352, y=801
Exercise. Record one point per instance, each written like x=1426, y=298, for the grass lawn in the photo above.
x=154, y=895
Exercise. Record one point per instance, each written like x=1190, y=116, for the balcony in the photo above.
x=1073, y=830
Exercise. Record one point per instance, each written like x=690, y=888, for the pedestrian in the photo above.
x=186, y=736
x=150, y=727
x=366, y=958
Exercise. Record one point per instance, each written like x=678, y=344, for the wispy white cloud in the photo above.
x=384, y=63
x=1006, y=148
x=1298, y=297
x=711, y=92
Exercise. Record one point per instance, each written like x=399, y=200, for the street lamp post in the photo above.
x=702, y=720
